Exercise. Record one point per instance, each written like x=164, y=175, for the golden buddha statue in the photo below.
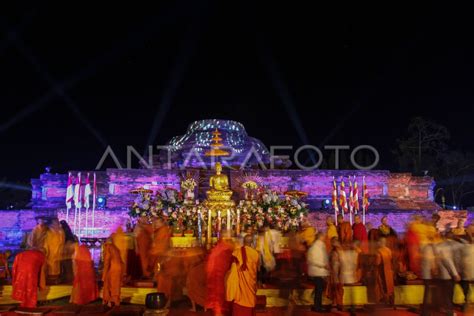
x=219, y=184
x=219, y=194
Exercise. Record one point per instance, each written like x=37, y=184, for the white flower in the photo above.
x=298, y=207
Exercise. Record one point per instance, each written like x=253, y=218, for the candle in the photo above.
x=209, y=225
x=219, y=222
x=199, y=225
x=237, y=224
x=228, y=224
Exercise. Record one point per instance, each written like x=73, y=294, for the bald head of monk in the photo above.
x=248, y=240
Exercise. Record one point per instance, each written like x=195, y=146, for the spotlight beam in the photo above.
x=135, y=38
x=284, y=94
x=186, y=52
x=58, y=90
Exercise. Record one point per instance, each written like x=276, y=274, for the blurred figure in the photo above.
x=112, y=275
x=349, y=271
x=344, y=230
x=429, y=274
x=413, y=243
x=373, y=235
x=459, y=230
x=161, y=242
x=265, y=250
x=448, y=273
x=196, y=282
x=331, y=232
x=318, y=270
x=360, y=233
x=70, y=242
x=143, y=239
x=38, y=234
x=276, y=239
x=467, y=265
x=335, y=285
x=307, y=234
x=28, y=276
x=387, y=232
x=54, y=243
x=384, y=273
x=84, y=288
x=119, y=239
x=4, y=270
x=246, y=259
x=218, y=263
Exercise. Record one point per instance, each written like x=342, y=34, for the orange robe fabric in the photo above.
x=218, y=264
x=330, y=234
x=112, y=275
x=144, y=233
x=54, y=243
x=37, y=236
x=196, y=283
x=171, y=277
x=28, y=275
x=344, y=232
x=160, y=246
x=413, y=250
x=360, y=234
x=84, y=287
x=385, y=288
x=335, y=289
x=247, y=260
x=119, y=239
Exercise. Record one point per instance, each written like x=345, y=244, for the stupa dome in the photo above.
x=190, y=149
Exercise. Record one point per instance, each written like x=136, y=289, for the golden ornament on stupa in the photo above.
x=216, y=145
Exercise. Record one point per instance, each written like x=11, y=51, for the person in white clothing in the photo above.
x=318, y=269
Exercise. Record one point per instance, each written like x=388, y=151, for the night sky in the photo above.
x=78, y=78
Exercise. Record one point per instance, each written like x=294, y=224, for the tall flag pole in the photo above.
x=69, y=195
x=351, y=201
x=356, y=196
x=94, y=198
x=77, y=204
x=342, y=198
x=365, y=199
x=334, y=199
x=87, y=194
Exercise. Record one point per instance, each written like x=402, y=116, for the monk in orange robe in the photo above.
x=28, y=276
x=84, y=287
x=384, y=289
x=360, y=234
x=112, y=274
x=331, y=232
x=344, y=231
x=218, y=263
x=161, y=242
x=38, y=235
x=54, y=244
x=335, y=289
x=195, y=271
x=144, y=233
x=247, y=262
x=119, y=239
x=196, y=284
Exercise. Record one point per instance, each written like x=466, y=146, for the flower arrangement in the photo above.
x=188, y=185
x=270, y=209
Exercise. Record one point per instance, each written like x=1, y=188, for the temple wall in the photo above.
x=13, y=224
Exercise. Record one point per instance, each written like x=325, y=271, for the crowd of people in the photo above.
x=225, y=278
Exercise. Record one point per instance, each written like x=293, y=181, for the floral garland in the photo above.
x=270, y=208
